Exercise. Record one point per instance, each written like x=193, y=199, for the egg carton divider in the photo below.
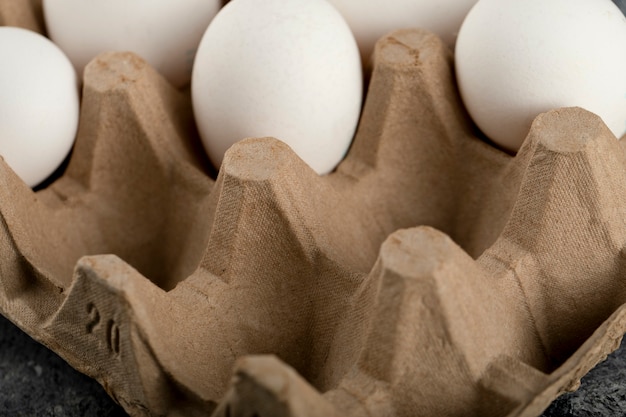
x=27, y=14
x=147, y=275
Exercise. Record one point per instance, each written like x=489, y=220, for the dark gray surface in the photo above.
x=36, y=382
x=602, y=391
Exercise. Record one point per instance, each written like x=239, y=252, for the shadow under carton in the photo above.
x=431, y=274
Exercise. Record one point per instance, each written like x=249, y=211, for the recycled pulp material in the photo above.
x=22, y=13
x=431, y=274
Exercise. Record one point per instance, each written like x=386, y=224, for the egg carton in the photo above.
x=27, y=14
x=430, y=274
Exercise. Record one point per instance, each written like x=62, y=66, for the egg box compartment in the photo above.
x=430, y=274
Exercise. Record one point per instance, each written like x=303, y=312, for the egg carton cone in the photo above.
x=22, y=13
x=430, y=275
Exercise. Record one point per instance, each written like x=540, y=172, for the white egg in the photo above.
x=516, y=59
x=372, y=19
x=165, y=33
x=287, y=69
x=39, y=104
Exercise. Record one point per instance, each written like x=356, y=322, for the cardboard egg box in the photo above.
x=431, y=274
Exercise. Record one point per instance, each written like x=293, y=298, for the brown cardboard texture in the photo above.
x=431, y=274
x=22, y=13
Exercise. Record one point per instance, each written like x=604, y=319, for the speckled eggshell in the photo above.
x=517, y=59
x=165, y=33
x=39, y=104
x=287, y=69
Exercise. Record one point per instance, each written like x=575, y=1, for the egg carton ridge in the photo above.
x=430, y=272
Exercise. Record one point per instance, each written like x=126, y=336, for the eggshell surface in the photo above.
x=286, y=69
x=372, y=19
x=39, y=104
x=515, y=60
x=165, y=33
